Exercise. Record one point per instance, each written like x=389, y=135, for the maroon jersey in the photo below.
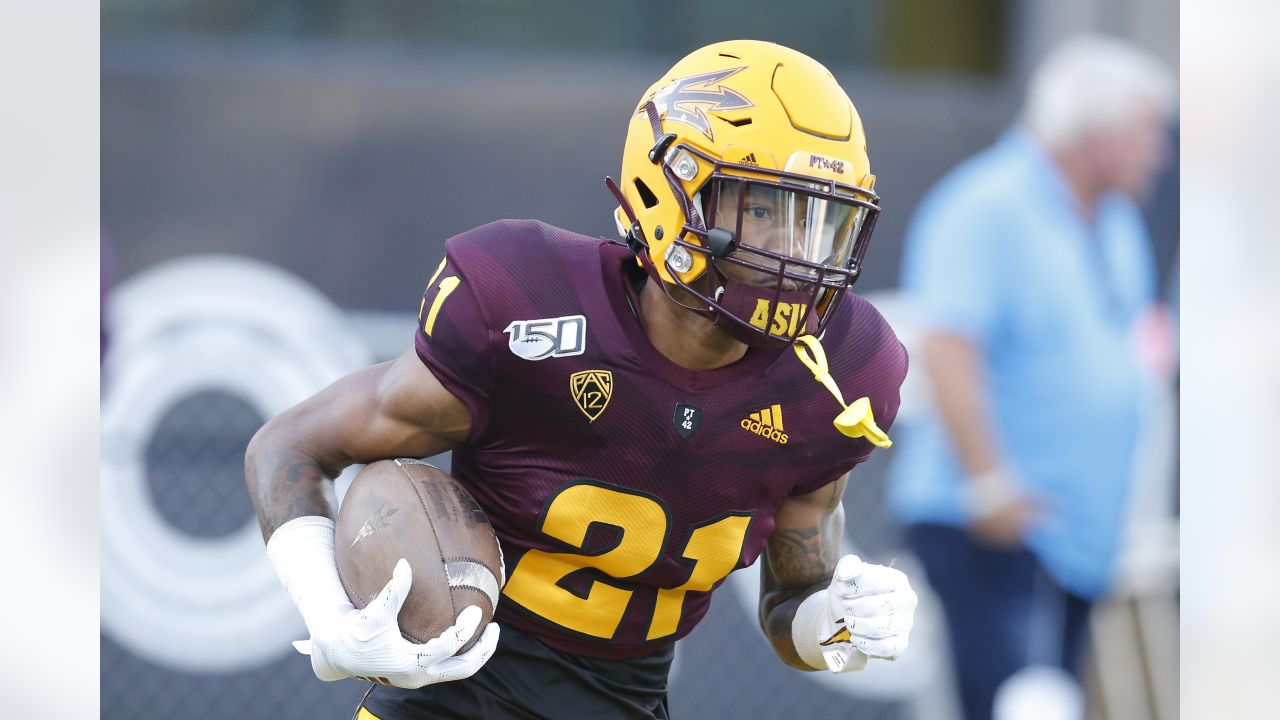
x=624, y=488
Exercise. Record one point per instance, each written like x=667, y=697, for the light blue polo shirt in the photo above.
x=997, y=252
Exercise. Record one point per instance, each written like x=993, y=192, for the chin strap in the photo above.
x=633, y=234
x=856, y=420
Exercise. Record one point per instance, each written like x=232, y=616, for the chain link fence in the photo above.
x=195, y=476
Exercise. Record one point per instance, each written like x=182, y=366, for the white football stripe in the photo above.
x=465, y=573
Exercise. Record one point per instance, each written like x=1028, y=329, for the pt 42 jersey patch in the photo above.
x=548, y=337
x=687, y=419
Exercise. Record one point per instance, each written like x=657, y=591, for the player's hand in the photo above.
x=367, y=644
x=870, y=611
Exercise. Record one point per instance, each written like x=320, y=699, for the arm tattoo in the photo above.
x=801, y=557
x=794, y=567
x=286, y=488
x=798, y=562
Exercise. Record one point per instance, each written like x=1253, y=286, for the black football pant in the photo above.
x=526, y=679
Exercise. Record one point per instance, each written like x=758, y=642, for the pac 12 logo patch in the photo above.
x=548, y=337
x=591, y=391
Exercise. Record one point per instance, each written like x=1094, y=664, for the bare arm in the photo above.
x=999, y=511
x=393, y=409
x=799, y=560
x=954, y=366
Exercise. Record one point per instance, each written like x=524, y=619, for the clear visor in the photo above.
x=786, y=222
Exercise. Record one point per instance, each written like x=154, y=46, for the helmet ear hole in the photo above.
x=646, y=195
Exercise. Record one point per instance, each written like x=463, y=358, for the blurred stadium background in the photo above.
x=278, y=179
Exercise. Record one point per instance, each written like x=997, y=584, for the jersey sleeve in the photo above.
x=454, y=341
x=885, y=392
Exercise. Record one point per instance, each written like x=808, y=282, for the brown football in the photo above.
x=408, y=509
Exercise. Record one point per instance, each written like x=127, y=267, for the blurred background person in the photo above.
x=1031, y=271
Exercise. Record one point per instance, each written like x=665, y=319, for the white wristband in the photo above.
x=806, y=627
x=302, y=552
x=986, y=494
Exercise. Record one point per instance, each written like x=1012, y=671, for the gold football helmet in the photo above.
x=746, y=189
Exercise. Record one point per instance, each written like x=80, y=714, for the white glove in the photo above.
x=867, y=611
x=367, y=644
x=346, y=642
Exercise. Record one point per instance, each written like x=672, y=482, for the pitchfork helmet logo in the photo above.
x=687, y=100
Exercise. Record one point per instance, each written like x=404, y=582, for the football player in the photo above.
x=637, y=418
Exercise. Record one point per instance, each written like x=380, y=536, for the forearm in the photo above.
x=293, y=494
x=285, y=483
x=954, y=366
x=799, y=561
x=777, y=617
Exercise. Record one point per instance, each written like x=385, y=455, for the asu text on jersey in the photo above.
x=623, y=488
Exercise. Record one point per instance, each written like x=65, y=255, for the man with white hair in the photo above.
x=1030, y=267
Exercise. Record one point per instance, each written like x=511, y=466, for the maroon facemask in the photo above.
x=773, y=318
x=768, y=281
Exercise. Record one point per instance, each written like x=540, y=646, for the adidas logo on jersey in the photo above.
x=749, y=159
x=766, y=423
